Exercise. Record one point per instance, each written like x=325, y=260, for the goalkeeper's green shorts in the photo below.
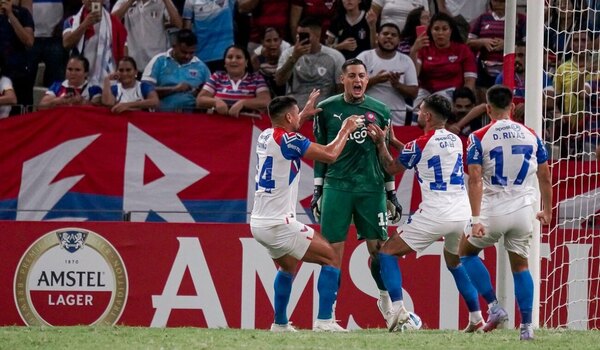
x=367, y=209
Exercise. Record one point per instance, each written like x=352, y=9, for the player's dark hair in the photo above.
x=499, y=96
x=439, y=105
x=280, y=105
x=353, y=62
x=310, y=22
x=463, y=92
x=186, y=36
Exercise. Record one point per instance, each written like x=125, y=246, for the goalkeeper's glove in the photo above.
x=393, y=207
x=315, y=203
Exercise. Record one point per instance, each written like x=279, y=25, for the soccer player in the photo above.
x=355, y=187
x=273, y=221
x=444, y=210
x=503, y=158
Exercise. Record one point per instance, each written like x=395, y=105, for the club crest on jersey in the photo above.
x=370, y=117
x=409, y=147
x=452, y=58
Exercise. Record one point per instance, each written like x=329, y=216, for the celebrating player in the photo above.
x=353, y=187
x=503, y=158
x=443, y=212
x=273, y=221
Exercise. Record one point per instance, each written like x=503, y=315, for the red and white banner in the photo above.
x=89, y=164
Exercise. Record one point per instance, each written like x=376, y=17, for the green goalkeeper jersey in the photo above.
x=357, y=169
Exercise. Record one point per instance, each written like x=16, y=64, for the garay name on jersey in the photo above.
x=508, y=132
x=446, y=140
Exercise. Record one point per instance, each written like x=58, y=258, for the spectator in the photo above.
x=99, y=36
x=309, y=65
x=146, y=22
x=393, y=77
x=237, y=90
x=7, y=93
x=468, y=9
x=212, y=23
x=519, y=88
x=266, y=14
x=557, y=33
x=16, y=37
x=265, y=62
x=408, y=36
x=128, y=94
x=447, y=64
x=353, y=30
x=177, y=74
x=321, y=10
x=396, y=11
x=467, y=116
x=75, y=89
x=48, y=17
x=486, y=38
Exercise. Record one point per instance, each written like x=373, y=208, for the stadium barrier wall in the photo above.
x=217, y=275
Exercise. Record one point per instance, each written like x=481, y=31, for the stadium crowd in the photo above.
x=182, y=51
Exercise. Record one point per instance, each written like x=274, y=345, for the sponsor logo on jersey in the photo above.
x=70, y=276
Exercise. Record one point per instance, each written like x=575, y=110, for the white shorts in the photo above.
x=285, y=239
x=516, y=227
x=420, y=232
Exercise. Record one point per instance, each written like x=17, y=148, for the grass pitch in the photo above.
x=196, y=338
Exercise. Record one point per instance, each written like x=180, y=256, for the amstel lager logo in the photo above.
x=71, y=276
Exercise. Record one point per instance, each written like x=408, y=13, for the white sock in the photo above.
x=475, y=316
x=384, y=298
x=398, y=304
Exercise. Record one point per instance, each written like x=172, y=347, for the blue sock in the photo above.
x=465, y=287
x=283, y=289
x=327, y=286
x=524, y=293
x=391, y=275
x=376, y=273
x=480, y=277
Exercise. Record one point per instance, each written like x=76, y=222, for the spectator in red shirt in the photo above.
x=266, y=14
x=446, y=63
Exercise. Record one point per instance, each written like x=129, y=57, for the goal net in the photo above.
x=570, y=246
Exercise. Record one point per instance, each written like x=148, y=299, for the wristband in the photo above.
x=318, y=181
x=390, y=186
x=474, y=220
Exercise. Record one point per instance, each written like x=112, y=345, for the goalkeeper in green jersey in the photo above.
x=355, y=187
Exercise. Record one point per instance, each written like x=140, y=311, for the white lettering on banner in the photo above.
x=256, y=262
x=39, y=193
x=189, y=256
x=159, y=195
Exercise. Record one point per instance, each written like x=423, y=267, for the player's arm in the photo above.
x=545, y=181
x=475, y=192
x=390, y=165
x=330, y=152
x=309, y=111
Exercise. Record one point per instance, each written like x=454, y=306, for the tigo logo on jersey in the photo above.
x=70, y=276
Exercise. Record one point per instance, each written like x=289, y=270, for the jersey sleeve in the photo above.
x=94, y=90
x=474, y=150
x=146, y=88
x=542, y=152
x=293, y=145
x=114, y=90
x=410, y=155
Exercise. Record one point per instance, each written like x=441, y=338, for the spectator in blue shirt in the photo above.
x=178, y=75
